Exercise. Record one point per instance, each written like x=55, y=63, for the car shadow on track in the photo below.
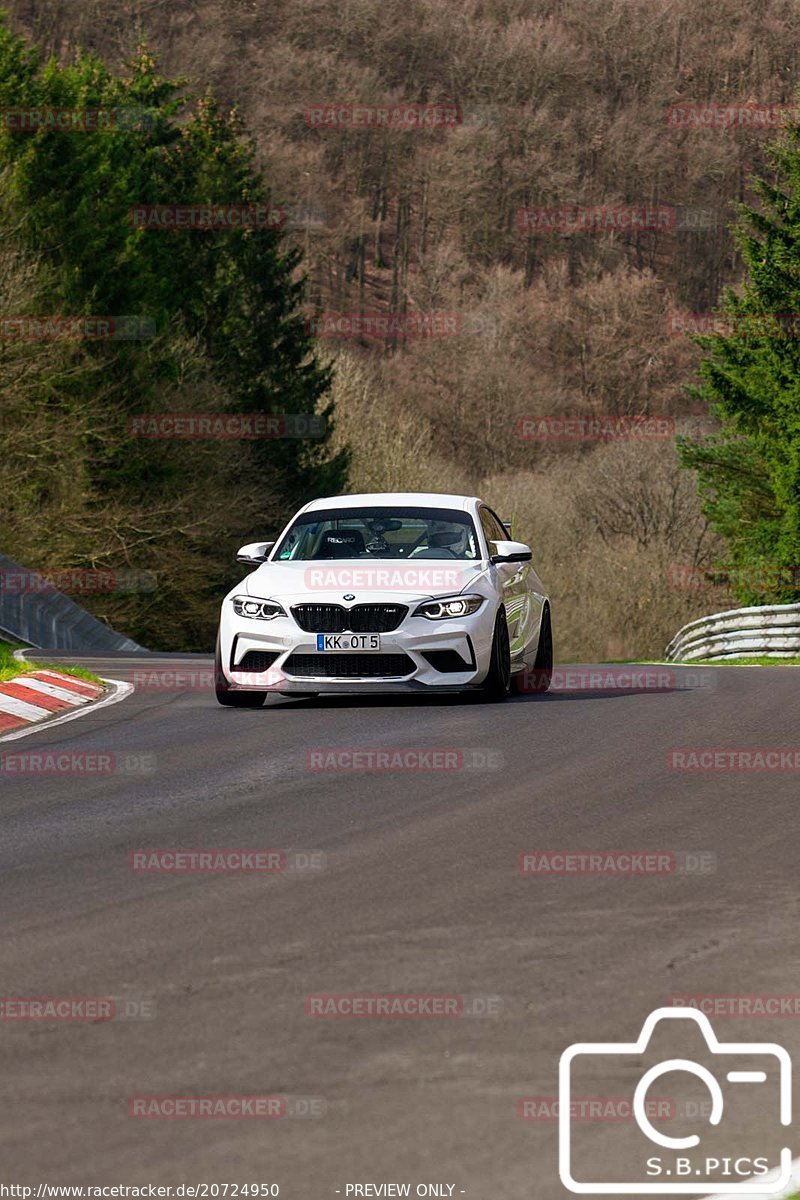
x=456, y=699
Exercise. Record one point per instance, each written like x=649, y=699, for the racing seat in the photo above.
x=341, y=543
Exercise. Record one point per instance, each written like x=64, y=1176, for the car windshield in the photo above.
x=380, y=533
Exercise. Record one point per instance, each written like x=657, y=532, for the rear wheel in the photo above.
x=224, y=693
x=497, y=684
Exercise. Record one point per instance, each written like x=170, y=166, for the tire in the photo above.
x=225, y=695
x=497, y=685
x=539, y=679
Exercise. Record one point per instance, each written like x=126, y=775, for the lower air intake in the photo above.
x=348, y=666
x=257, y=660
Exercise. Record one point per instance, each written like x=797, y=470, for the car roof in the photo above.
x=392, y=499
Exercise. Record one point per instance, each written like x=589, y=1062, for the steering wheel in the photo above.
x=440, y=551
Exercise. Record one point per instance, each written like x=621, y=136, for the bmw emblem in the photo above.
x=348, y=596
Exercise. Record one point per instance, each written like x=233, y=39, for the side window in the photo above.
x=502, y=533
x=493, y=531
x=489, y=527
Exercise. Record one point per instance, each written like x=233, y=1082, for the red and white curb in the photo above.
x=39, y=694
x=50, y=696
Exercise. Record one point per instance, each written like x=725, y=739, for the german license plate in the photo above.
x=343, y=643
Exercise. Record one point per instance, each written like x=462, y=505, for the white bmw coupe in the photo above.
x=387, y=592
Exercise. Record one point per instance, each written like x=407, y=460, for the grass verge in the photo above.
x=10, y=667
x=712, y=662
x=750, y=662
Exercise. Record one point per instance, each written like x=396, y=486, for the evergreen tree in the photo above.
x=225, y=305
x=749, y=474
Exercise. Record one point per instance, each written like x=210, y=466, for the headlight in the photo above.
x=262, y=610
x=448, y=607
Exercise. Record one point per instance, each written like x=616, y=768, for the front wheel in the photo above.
x=497, y=684
x=540, y=678
x=224, y=693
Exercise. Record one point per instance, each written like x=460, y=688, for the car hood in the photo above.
x=327, y=582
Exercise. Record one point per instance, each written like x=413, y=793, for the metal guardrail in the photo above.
x=767, y=631
x=47, y=619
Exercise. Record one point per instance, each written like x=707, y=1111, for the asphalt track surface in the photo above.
x=421, y=894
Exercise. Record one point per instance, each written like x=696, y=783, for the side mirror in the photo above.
x=511, y=552
x=254, y=553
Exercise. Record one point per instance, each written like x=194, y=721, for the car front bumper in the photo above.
x=470, y=638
